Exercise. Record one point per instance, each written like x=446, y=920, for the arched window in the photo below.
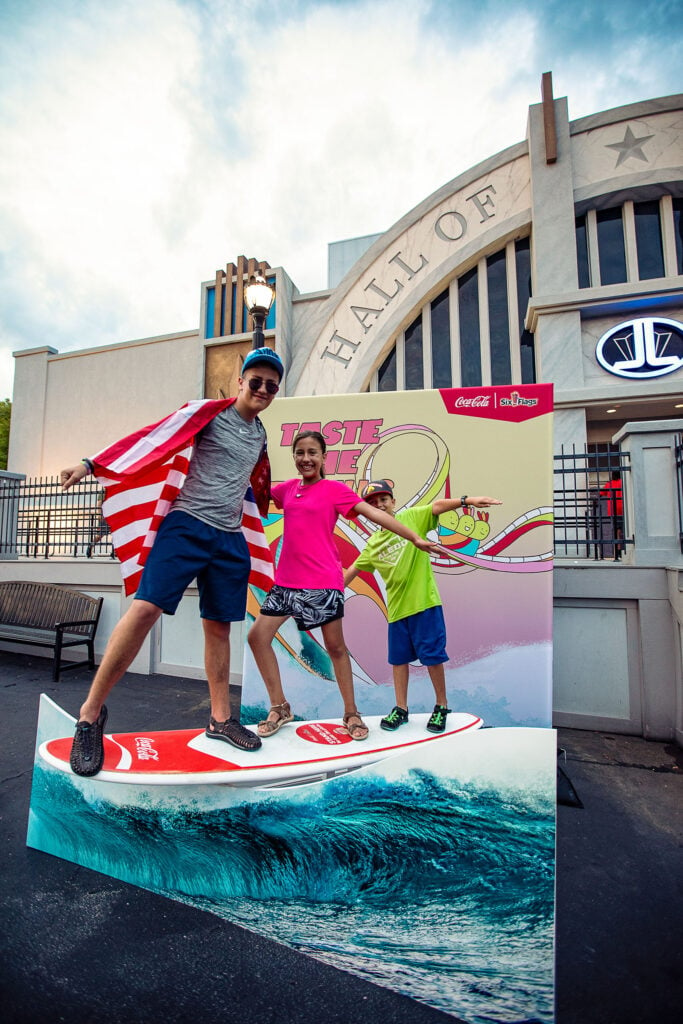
x=472, y=333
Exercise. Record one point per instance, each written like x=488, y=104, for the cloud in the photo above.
x=145, y=145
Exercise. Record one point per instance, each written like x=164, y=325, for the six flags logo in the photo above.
x=646, y=347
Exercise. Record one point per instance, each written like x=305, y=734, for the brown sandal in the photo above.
x=357, y=731
x=269, y=726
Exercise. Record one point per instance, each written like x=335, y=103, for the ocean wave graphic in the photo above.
x=441, y=890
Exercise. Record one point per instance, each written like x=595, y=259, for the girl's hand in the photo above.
x=425, y=545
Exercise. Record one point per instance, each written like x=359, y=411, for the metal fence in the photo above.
x=40, y=520
x=590, y=487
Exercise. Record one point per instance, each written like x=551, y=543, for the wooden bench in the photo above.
x=49, y=616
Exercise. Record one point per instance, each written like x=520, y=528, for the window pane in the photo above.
x=441, y=342
x=649, y=240
x=611, y=246
x=210, y=310
x=499, y=323
x=526, y=338
x=468, y=301
x=413, y=356
x=386, y=376
x=678, y=233
x=582, y=252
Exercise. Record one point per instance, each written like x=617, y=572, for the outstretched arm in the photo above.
x=72, y=475
x=388, y=522
x=350, y=574
x=442, y=505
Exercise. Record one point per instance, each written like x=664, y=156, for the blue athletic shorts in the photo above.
x=185, y=548
x=420, y=637
x=308, y=608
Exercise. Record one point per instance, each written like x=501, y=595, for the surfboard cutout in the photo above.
x=300, y=754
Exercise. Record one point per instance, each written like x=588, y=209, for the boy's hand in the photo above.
x=71, y=476
x=483, y=502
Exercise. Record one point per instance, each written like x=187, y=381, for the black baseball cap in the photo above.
x=263, y=356
x=377, y=487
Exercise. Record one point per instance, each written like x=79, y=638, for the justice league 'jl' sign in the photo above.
x=644, y=347
x=418, y=861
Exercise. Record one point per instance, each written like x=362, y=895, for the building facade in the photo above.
x=558, y=260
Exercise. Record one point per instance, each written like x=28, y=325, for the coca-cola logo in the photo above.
x=144, y=748
x=476, y=402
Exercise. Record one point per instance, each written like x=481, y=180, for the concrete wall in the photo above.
x=69, y=405
x=617, y=647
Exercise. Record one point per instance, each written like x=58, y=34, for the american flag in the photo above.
x=142, y=475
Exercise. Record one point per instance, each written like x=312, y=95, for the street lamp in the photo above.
x=258, y=298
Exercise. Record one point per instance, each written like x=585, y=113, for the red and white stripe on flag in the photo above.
x=142, y=475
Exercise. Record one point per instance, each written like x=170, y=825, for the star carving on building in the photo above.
x=630, y=147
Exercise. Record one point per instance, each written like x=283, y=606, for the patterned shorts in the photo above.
x=308, y=608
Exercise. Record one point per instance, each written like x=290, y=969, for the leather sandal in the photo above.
x=269, y=726
x=233, y=732
x=356, y=730
x=87, y=750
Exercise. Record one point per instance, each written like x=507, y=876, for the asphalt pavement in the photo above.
x=79, y=947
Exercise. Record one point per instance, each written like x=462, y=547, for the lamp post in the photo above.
x=258, y=298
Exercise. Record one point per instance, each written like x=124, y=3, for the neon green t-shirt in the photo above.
x=406, y=571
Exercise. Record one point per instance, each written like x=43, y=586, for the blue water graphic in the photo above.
x=440, y=890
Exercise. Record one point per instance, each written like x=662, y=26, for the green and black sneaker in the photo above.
x=397, y=716
x=437, y=722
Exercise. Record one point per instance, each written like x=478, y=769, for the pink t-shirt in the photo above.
x=308, y=555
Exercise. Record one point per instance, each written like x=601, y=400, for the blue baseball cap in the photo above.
x=263, y=356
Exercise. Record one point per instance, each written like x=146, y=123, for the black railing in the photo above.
x=589, y=504
x=40, y=520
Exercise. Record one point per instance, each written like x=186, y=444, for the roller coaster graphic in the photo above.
x=463, y=536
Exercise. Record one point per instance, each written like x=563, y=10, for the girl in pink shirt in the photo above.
x=309, y=579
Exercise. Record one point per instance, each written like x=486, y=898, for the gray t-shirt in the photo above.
x=225, y=454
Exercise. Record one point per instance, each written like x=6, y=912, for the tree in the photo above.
x=5, y=417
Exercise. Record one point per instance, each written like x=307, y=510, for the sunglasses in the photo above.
x=256, y=383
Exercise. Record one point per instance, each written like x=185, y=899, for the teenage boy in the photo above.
x=417, y=630
x=199, y=536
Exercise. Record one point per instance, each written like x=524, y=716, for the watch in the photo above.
x=463, y=500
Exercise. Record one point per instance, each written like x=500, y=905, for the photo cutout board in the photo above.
x=420, y=862
x=494, y=574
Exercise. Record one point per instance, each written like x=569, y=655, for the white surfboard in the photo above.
x=299, y=754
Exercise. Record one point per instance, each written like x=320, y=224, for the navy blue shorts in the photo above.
x=185, y=548
x=420, y=637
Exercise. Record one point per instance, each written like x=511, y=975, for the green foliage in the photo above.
x=5, y=416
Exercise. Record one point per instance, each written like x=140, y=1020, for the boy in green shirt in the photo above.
x=416, y=624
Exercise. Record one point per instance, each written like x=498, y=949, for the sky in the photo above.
x=145, y=145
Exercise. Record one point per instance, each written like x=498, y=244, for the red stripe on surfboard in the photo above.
x=196, y=762
x=142, y=748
